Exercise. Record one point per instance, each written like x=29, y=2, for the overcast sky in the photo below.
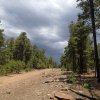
x=45, y=21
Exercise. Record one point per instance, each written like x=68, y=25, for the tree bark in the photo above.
x=95, y=40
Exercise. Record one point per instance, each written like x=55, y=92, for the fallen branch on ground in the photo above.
x=83, y=95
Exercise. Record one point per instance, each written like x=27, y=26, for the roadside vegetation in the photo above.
x=82, y=54
x=20, y=54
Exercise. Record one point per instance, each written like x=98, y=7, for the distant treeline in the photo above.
x=20, y=54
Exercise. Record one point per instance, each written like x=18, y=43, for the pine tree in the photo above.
x=22, y=48
x=85, y=15
x=79, y=50
x=2, y=52
x=1, y=38
x=92, y=15
x=9, y=46
x=99, y=49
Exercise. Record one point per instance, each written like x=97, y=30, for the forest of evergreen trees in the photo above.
x=20, y=54
x=80, y=55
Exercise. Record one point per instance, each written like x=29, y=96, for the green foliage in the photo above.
x=72, y=78
x=28, y=69
x=65, y=60
x=9, y=48
x=3, y=57
x=1, y=38
x=87, y=85
x=22, y=48
x=28, y=66
x=78, y=55
x=18, y=54
x=90, y=14
x=12, y=67
x=2, y=53
x=3, y=70
x=40, y=61
x=85, y=12
x=40, y=64
x=99, y=49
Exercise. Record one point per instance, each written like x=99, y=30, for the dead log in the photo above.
x=83, y=95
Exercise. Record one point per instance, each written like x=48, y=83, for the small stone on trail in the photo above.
x=79, y=98
x=8, y=92
x=56, y=85
x=65, y=89
x=48, y=81
x=50, y=96
x=81, y=91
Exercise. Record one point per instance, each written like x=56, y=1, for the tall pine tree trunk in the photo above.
x=75, y=63
x=95, y=41
x=81, y=64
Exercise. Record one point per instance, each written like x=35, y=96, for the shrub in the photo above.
x=12, y=67
x=27, y=69
x=29, y=66
x=87, y=85
x=72, y=78
x=15, y=66
x=36, y=63
x=2, y=70
x=40, y=64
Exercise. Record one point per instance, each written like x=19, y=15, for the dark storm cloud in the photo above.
x=45, y=21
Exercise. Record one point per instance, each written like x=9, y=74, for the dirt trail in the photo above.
x=29, y=86
x=23, y=76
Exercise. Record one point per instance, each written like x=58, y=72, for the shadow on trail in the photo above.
x=90, y=80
